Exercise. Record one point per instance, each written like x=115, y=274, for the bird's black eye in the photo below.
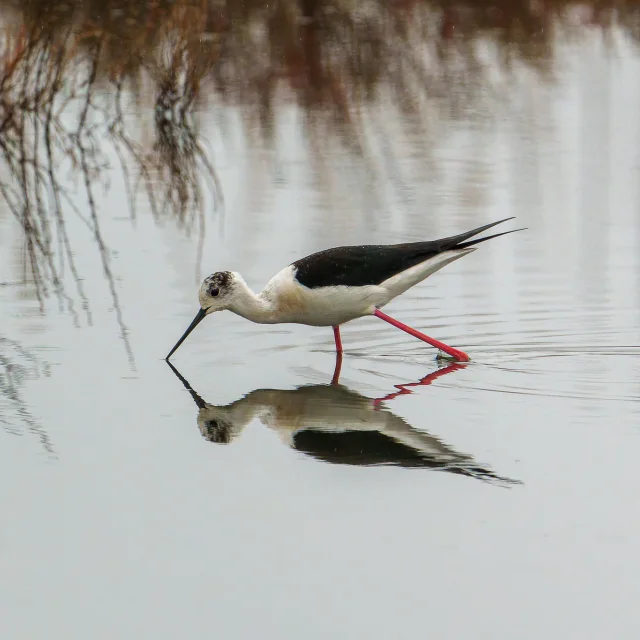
x=214, y=291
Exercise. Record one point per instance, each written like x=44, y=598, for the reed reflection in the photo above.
x=78, y=76
x=65, y=107
x=17, y=365
x=334, y=424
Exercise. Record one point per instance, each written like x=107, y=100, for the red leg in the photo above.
x=336, y=335
x=454, y=353
x=336, y=371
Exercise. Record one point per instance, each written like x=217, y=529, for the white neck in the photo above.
x=250, y=305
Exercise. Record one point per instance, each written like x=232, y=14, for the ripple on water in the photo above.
x=540, y=365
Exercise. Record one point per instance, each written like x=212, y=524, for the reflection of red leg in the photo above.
x=454, y=353
x=336, y=335
x=336, y=371
x=428, y=379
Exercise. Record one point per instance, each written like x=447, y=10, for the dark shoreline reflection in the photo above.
x=335, y=424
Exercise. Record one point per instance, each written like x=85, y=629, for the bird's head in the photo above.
x=216, y=293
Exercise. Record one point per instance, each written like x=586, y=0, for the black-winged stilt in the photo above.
x=331, y=287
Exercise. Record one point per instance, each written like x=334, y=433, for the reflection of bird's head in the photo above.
x=215, y=429
x=223, y=424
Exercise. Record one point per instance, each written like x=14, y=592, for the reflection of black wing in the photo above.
x=358, y=448
x=372, y=264
x=371, y=448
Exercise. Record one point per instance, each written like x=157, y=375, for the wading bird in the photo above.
x=331, y=287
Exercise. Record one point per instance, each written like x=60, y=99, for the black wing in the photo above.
x=372, y=264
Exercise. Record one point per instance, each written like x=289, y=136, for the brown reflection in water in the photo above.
x=334, y=424
x=96, y=60
x=61, y=99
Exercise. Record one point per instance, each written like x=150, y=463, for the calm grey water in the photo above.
x=120, y=520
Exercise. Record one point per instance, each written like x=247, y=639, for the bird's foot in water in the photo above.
x=445, y=357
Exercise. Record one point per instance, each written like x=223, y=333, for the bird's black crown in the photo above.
x=218, y=282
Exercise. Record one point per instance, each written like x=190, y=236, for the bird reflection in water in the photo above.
x=335, y=424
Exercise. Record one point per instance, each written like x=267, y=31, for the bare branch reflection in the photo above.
x=16, y=366
x=54, y=114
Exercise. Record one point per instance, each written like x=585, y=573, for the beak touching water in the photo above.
x=196, y=321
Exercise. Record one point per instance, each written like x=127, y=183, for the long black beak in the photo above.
x=196, y=321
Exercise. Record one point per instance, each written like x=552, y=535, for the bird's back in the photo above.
x=362, y=265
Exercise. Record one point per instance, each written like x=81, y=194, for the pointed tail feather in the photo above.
x=452, y=241
x=464, y=245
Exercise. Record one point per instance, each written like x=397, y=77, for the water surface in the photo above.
x=219, y=498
